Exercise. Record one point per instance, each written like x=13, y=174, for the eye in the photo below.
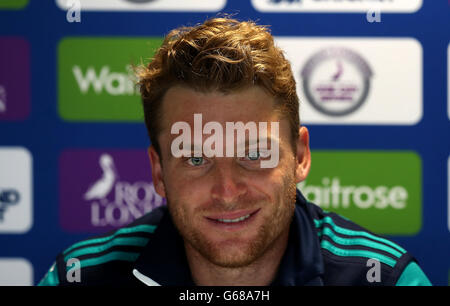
x=195, y=161
x=258, y=155
x=253, y=155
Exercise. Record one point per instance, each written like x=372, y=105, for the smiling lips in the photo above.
x=233, y=218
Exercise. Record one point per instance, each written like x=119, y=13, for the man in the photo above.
x=233, y=217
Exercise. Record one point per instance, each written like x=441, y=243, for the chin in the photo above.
x=232, y=258
x=231, y=253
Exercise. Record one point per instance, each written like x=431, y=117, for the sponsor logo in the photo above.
x=281, y=1
x=96, y=79
x=378, y=190
x=7, y=197
x=340, y=6
x=13, y=4
x=14, y=79
x=111, y=190
x=15, y=190
x=148, y=5
x=16, y=272
x=332, y=194
x=336, y=81
x=2, y=99
x=357, y=80
x=140, y=1
x=105, y=81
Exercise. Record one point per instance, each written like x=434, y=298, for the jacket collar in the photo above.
x=302, y=262
x=163, y=261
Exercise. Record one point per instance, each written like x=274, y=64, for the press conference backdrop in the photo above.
x=372, y=76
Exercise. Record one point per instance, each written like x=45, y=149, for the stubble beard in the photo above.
x=243, y=255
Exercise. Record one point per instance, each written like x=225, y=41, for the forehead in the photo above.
x=180, y=104
x=251, y=104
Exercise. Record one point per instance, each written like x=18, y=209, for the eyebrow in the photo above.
x=246, y=143
x=191, y=148
x=255, y=143
x=267, y=140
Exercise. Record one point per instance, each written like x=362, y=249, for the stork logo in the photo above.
x=101, y=188
x=113, y=189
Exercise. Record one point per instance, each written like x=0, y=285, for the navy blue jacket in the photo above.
x=323, y=249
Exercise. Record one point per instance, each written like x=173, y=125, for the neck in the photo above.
x=260, y=272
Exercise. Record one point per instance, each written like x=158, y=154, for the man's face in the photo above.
x=228, y=209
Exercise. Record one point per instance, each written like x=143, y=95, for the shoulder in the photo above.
x=354, y=255
x=104, y=259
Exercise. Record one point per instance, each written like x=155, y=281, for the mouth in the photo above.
x=234, y=220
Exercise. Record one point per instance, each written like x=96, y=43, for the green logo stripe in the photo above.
x=357, y=253
x=139, y=228
x=379, y=190
x=134, y=241
x=125, y=256
x=13, y=4
x=97, y=80
x=348, y=232
x=359, y=241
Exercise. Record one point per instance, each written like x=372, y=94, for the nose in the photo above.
x=228, y=185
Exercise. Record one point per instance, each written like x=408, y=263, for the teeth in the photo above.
x=234, y=220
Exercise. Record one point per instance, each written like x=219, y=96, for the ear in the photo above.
x=157, y=174
x=303, y=157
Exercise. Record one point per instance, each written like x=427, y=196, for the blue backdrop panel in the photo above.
x=38, y=28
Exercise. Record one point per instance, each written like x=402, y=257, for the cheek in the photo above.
x=268, y=179
x=185, y=190
x=281, y=186
x=263, y=183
